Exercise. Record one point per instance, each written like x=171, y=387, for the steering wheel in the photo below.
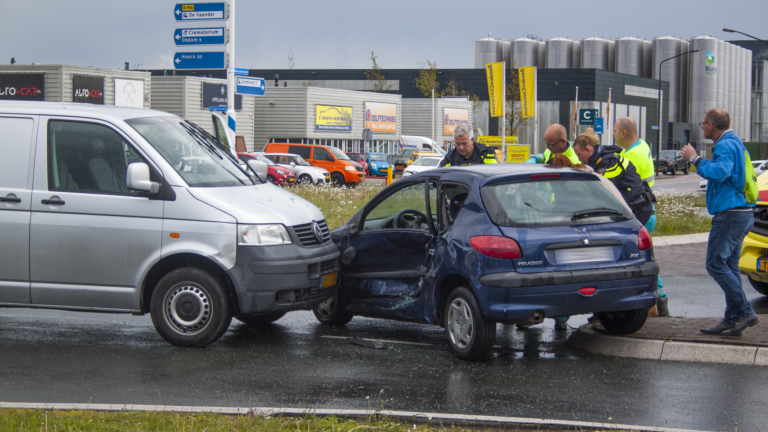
x=410, y=218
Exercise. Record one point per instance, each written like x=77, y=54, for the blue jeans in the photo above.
x=723, y=253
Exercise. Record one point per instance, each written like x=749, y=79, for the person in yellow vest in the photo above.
x=556, y=140
x=639, y=153
x=466, y=150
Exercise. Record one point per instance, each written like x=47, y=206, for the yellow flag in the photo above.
x=494, y=72
x=527, y=87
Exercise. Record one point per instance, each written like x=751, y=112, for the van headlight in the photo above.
x=262, y=235
x=349, y=168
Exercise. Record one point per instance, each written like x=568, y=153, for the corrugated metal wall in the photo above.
x=355, y=99
x=168, y=94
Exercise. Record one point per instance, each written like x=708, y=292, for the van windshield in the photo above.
x=192, y=152
x=338, y=154
x=406, y=153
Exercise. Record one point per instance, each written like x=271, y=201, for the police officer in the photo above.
x=556, y=140
x=639, y=153
x=467, y=151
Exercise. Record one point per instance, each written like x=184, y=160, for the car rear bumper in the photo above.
x=753, y=248
x=514, y=296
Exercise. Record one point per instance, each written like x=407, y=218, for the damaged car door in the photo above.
x=394, y=249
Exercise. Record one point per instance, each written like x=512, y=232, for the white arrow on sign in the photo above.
x=178, y=60
x=178, y=12
x=178, y=37
x=222, y=90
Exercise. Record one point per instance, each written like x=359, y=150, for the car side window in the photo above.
x=302, y=151
x=322, y=154
x=88, y=158
x=452, y=197
x=404, y=209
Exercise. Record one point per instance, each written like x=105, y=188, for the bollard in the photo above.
x=390, y=173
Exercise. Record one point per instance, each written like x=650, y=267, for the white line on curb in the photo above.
x=380, y=340
x=337, y=412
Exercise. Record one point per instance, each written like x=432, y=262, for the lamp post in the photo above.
x=727, y=30
x=658, y=131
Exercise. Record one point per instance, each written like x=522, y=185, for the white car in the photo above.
x=424, y=163
x=760, y=167
x=305, y=173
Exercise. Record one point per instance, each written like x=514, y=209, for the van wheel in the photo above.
x=337, y=179
x=469, y=334
x=759, y=286
x=624, y=322
x=305, y=179
x=331, y=312
x=190, y=307
x=271, y=179
x=261, y=320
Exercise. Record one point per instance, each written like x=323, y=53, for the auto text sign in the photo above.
x=199, y=36
x=587, y=116
x=250, y=86
x=199, y=11
x=216, y=95
x=22, y=86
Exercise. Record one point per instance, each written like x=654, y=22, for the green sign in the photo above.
x=587, y=117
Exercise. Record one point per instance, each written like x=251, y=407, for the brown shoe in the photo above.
x=652, y=312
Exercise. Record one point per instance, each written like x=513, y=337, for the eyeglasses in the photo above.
x=553, y=144
x=701, y=124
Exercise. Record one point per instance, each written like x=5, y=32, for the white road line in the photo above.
x=379, y=340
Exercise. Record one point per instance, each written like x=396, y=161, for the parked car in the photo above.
x=754, y=260
x=760, y=167
x=417, y=154
x=377, y=163
x=304, y=172
x=276, y=175
x=468, y=247
x=670, y=161
x=424, y=163
x=402, y=159
x=112, y=209
x=359, y=159
x=343, y=170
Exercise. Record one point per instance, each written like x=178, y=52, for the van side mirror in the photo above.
x=137, y=178
x=259, y=167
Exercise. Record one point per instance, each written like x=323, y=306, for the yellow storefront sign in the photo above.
x=452, y=117
x=518, y=153
x=495, y=74
x=496, y=140
x=333, y=118
x=527, y=90
x=380, y=117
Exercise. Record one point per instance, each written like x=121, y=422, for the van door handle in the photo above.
x=53, y=202
x=10, y=199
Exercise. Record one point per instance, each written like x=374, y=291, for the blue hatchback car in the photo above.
x=377, y=164
x=469, y=247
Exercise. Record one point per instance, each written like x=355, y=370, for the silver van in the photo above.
x=111, y=209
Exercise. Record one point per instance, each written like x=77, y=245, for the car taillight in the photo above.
x=644, y=239
x=544, y=176
x=496, y=247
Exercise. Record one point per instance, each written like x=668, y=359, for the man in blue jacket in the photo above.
x=733, y=218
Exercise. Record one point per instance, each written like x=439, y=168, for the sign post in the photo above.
x=231, y=122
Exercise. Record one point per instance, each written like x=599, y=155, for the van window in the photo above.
x=302, y=151
x=322, y=154
x=88, y=157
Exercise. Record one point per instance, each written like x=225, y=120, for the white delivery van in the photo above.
x=112, y=209
x=412, y=142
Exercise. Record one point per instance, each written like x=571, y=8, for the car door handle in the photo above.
x=53, y=202
x=10, y=199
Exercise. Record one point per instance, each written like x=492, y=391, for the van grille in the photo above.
x=307, y=236
x=327, y=266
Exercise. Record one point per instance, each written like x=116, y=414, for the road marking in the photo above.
x=463, y=418
x=379, y=340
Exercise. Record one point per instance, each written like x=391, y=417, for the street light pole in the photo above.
x=727, y=30
x=658, y=116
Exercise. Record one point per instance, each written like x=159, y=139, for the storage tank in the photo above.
x=525, y=52
x=674, y=71
x=647, y=58
x=612, y=56
x=629, y=56
x=595, y=53
x=576, y=61
x=702, y=84
x=542, y=55
x=503, y=53
x=722, y=61
x=746, y=89
x=559, y=53
x=732, y=101
x=486, y=51
x=738, y=101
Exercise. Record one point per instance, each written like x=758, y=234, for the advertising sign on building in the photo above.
x=452, y=117
x=22, y=86
x=333, y=118
x=380, y=117
x=129, y=93
x=216, y=95
x=495, y=140
x=518, y=153
x=88, y=89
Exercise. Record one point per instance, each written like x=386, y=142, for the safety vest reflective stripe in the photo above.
x=570, y=154
x=617, y=169
x=641, y=158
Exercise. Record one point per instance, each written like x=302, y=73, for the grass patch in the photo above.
x=54, y=420
x=676, y=214
x=338, y=204
x=700, y=201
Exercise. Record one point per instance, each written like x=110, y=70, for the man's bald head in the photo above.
x=556, y=138
x=625, y=132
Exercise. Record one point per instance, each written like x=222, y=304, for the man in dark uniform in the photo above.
x=467, y=151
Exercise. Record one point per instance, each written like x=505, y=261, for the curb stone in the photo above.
x=589, y=340
x=680, y=239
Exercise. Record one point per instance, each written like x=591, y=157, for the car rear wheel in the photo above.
x=624, y=322
x=759, y=286
x=674, y=169
x=337, y=179
x=469, y=334
x=271, y=179
x=687, y=168
x=331, y=312
x=261, y=320
x=305, y=179
x=190, y=307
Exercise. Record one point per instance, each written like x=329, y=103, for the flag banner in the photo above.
x=495, y=74
x=527, y=90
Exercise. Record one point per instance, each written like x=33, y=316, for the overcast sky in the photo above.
x=341, y=34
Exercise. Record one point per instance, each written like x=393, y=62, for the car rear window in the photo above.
x=554, y=202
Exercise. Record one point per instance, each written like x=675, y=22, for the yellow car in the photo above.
x=417, y=154
x=754, y=250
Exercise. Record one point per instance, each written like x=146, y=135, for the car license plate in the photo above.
x=291, y=179
x=762, y=264
x=329, y=280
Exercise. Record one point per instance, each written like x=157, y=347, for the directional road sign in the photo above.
x=218, y=108
x=199, y=36
x=587, y=116
x=598, y=126
x=200, y=60
x=241, y=71
x=250, y=86
x=199, y=11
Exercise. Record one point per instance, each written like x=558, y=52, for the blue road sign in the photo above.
x=250, y=86
x=598, y=125
x=655, y=127
x=199, y=60
x=241, y=71
x=199, y=11
x=199, y=36
x=218, y=108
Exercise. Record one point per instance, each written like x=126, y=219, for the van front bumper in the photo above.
x=283, y=278
x=754, y=247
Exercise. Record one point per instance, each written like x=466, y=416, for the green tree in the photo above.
x=427, y=80
x=377, y=79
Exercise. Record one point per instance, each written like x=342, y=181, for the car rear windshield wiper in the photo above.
x=596, y=212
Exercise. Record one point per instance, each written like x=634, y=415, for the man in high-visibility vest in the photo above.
x=556, y=140
x=466, y=150
x=639, y=153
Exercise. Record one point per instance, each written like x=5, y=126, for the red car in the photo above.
x=275, y=174
x=359, y=159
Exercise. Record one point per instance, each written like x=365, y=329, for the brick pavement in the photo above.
x=687, y=330
x=682, y=260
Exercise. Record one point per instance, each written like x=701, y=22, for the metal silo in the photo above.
x=559, y=53
x=735, y=88
x=595, y=53
x=503, y=51
x=746, y=90
x=486, y=51
x=525, y=52
x=542, y=54
x=647, y=58
x=629, y=56
x=611, y=56
x=672, y=72
x=702, y=84
x=576, y=59
x=722, y=62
